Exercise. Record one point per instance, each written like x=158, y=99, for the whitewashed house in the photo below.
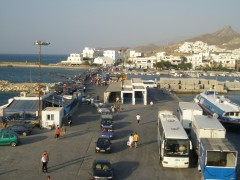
x=73, y=59
x=52, y=117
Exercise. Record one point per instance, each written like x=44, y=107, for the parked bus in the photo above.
x=173, y=142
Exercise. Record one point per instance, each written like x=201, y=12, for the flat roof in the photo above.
x=213, y=144
x=189, y=105
x=207, y=122
x=114, y=87
x=172, y=127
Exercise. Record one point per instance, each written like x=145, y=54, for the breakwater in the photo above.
x=6, y=86
x=196, y=85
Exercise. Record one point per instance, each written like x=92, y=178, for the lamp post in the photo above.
x=123, y=55
x=40, y=44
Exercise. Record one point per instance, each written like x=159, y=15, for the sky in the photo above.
x=72, y=25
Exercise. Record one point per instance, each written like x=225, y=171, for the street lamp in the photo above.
x=39, y=43
x=123, y=55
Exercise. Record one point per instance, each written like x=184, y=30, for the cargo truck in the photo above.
x=186, y=110
x=217, y=159
x=205, y=127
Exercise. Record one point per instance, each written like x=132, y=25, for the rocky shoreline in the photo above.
x=6, y=86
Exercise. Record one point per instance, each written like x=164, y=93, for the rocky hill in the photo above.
x=225, y=38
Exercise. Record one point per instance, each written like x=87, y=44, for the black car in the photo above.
x=20, y=129
x=103, y=144
x=102, y=169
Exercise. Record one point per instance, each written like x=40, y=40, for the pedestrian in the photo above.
x=130, y=140
x=117, y=99
x=113, y=108
x=44, y=161
x=57, y=133
x=138, y=119
x=151, y=104
x=135, y=139
x=63, y=130
x=49, y=178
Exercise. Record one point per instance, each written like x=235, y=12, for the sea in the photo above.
x=51, y=75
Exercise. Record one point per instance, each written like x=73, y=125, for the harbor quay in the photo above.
x=71, y=157
x=197, y=85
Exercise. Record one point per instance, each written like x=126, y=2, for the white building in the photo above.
x=104, y=61
x=112, y=54
x=73, y=59
x=144, y=62
x=134, y=54
x=88, y=52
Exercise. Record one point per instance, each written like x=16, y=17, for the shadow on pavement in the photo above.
x=123, y=169
x=6, y=172
x=32, y=139
x=120, y=125
x=119, y=116
x=68, y=163
x=119, y=146
x=122, y=134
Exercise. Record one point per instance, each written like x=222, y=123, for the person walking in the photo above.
x=130, y=140
x=57, y=133
x=151, y=105
x=135, y=139
x=44, y=161
x=63, y=130
x=138, y=119
x=49, y=178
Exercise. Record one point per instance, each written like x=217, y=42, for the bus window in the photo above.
x=237, y=114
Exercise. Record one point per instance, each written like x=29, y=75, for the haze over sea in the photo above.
x=50, y=75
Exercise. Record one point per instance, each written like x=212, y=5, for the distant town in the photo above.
x=190, y=56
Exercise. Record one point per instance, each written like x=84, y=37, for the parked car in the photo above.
x=9, y=138
x=103, y=144
x=106, y=123
x=103, y=110
x=97, y=103
x=102, y=169
x=20, y=129
x=87, y=99
x=106, y=132
x=107, y=116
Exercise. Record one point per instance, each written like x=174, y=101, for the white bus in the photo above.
x=173, y=142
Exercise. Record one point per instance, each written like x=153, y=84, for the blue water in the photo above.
x=49, y=75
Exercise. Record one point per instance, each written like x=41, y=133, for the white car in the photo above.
x=103, y=110
x=97, y=103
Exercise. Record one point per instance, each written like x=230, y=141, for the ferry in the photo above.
x=219, y=106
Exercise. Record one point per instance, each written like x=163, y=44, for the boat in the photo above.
x=219, y=106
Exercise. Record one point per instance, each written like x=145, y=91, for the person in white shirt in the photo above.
x=130, y=140
x=138, y=118
x=151, y=104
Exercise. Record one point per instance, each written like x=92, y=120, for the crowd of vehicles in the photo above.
x=217, y=157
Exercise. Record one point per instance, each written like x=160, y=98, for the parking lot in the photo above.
x=71, y=157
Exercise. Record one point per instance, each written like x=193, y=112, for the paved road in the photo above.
x=71, y=157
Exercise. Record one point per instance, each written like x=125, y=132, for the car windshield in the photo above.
x=104, y=140
x=103, y=166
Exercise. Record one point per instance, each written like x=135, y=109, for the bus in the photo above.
x=173, y=142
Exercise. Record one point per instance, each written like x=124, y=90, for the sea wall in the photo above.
x=196, y=85
x=6, y=86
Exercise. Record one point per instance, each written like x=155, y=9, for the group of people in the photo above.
x=133, y=140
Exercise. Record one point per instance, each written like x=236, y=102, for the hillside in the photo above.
x=225, y=38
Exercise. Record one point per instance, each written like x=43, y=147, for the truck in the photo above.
x=217, y=159
x=205, y=127
x=186, y=110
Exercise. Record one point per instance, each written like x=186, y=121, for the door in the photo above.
x=5, y=139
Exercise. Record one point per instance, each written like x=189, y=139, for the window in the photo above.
x=6, y=136
x=50, y=117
